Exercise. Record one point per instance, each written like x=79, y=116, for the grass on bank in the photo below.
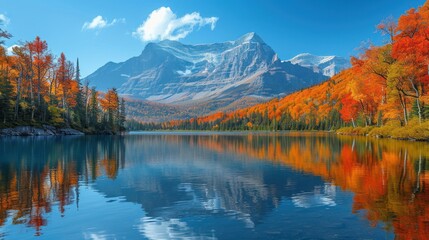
x=393, y=129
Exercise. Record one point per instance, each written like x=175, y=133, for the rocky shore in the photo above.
x=45, y=130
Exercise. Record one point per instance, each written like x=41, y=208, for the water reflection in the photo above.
x=37, y=172
x=388, y=177
x=217, y=186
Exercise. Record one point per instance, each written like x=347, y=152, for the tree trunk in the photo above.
x=416, y=90
x=66, y=118
x=39, y=88
x=86, y=103
x=18, y=94
x=364, y=114
x=404, y=108
x=33, y=108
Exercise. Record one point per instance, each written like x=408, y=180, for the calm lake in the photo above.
x=213, y=186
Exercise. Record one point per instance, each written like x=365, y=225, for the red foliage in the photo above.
x=349, y=111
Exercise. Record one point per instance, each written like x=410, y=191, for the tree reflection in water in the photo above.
x=36, y=172
x=388, y=178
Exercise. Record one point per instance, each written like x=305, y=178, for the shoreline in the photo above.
x=48, y=130
x=413, y=132
x=44, y=130
x=341, y=131
x=409, y=139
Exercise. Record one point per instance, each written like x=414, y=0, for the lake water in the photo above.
x=213, y=186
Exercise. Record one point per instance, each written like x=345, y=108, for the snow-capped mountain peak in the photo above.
x=211, y=75
x=249, y=38
x=327, y=65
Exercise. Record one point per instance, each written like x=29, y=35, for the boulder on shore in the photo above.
x=45, y=130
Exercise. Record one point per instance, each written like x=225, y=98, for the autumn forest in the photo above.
x=36, y=89
x=384, y=93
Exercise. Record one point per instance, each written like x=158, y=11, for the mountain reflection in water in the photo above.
x=214, y=186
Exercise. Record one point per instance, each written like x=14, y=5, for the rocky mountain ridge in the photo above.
x=207, y=77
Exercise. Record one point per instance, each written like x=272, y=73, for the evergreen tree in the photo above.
x=79, y=109
x=6, y=94
x=122, y=115
x=415, y=110
x=274, y=121
x=93, y=109
x=426, y=111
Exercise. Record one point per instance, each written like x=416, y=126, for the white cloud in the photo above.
x=99, y=23
x=4, y=20
x=9, y=50
x=163, y=24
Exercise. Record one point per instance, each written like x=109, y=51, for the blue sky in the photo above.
x=290, y=27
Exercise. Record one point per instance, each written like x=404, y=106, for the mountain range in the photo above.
x=200, y=79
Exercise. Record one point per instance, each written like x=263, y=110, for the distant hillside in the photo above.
x=311, y=108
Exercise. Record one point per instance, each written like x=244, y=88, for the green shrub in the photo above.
x=56, y=116
x=414, y=130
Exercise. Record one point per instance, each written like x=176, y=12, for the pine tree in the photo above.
x=6, y=93
x=415, y=110
x=122, y=115
x=426, y=111
x=93, y=109
x=274, y=121
x=79, y=109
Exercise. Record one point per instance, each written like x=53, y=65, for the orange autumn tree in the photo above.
x=5, y=85
x=37, y=89
x=110, y=106
x=411, y=49
x=64, y=74
x=42, y=62
x=349, y=110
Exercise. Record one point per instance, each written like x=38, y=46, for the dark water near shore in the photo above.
x=213, y=186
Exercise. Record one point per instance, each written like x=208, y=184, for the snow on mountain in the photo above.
x=209, y=75
x=326, y=65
